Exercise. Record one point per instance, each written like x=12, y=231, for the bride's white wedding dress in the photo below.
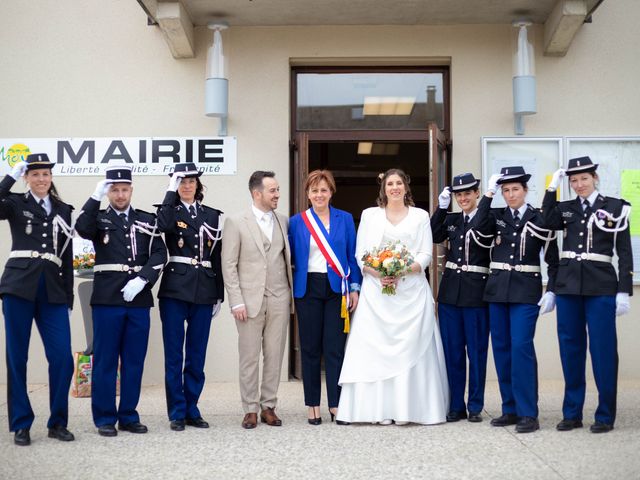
x=394, y=364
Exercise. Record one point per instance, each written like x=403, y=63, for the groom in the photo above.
x=256, y=267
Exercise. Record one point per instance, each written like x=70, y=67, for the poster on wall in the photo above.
x=146, y=155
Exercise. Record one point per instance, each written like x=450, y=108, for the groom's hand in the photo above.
x=353, y=300
x=240, y=313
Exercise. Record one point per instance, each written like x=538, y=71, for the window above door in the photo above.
x=378, y=99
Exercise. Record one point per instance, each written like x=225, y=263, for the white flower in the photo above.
x=401, y=262
x=387, y=262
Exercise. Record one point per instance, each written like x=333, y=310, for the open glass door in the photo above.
x=300, y=161
x=438, y=178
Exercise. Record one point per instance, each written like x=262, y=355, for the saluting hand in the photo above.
x=102, y=187
x=556, y=179
x=18, y=170
x=493, y=184
x=174, y=181
x=444, y=199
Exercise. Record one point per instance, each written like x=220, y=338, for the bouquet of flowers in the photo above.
x=84, y=262
x=391, y=260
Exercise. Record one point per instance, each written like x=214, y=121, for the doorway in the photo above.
x=359, y=122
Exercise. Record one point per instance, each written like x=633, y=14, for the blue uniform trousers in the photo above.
x=321, y=332
x=119, y=333
x=52, y=320
x=183, y=386
x=465, y=328
x=513, y=326
x=576, y=315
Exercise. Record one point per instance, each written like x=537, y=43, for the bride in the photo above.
x=394, y=367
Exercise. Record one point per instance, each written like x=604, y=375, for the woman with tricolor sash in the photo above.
x=326, y=282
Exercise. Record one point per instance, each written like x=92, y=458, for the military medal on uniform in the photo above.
x=105, y=240
x=29, y=228
x=181, y=242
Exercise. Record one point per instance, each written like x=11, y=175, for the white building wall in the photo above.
x=91, y=69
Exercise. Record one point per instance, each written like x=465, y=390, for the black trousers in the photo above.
x=321, y=333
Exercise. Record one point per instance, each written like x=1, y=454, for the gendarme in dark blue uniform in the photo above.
x=130, y=255
x=514, y=293
x=463, y=314
x=191, y=291
x=589, y=292
x=37, y=283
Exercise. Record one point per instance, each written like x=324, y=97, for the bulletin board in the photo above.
x=618, y=160
x=539, y=156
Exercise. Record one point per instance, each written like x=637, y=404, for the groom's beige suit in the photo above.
x=257, y=273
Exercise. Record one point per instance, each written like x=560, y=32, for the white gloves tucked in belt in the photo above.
x=547, y=303
x=622, y=304
x=133, y=288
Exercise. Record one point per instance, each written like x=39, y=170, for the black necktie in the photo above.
x=123, y=217
x=41, y=203
x=192, y=211
x=466, y=221
x=586, y=206
x=516, y=216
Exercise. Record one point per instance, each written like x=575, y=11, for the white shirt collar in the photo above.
x=591, y=198
x=47, y=199
x=187, y=205
x=259, y=214
x=471, y=215
x=521, y=210
x=126, y=212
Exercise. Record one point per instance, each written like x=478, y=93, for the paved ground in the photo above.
x=451, y=451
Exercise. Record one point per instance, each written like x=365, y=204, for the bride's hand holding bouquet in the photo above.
x=390, y=262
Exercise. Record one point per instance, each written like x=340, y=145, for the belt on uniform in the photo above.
x=190, y=261
x=116, y=267
x=33, y=254
x=467, y=268
x=596, y=257
x=517, y=268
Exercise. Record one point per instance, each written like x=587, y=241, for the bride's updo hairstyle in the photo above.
x=382, y=199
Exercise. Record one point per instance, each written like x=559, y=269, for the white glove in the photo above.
x=216, y=309
x=133, y=288
x=493, y=182
x=18, y=170
x=556, y=179
x=174, y=181
x=622, y=304
x=444, y=199
x=101, y=190
x=547, y=303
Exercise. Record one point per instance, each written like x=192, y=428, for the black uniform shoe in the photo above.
x=597, y=427
x=177, y=425
x=475, y=417
x=22, y=437
x=133, y=427
x=107, y=431
x=504, y=420
x=568, y=424
x=61, y=433
x=456, y=416
x=197, y=422
x=527, y=425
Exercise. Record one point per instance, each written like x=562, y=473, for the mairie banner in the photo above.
x=146, y=156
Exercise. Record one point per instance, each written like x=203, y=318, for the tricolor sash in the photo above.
x=321, y=237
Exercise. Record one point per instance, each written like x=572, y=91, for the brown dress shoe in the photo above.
x=268, y=416
x=250, y=421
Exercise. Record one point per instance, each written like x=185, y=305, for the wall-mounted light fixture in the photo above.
x=216, y=96
x=524, y=79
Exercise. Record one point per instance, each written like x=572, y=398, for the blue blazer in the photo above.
x=342, y=237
